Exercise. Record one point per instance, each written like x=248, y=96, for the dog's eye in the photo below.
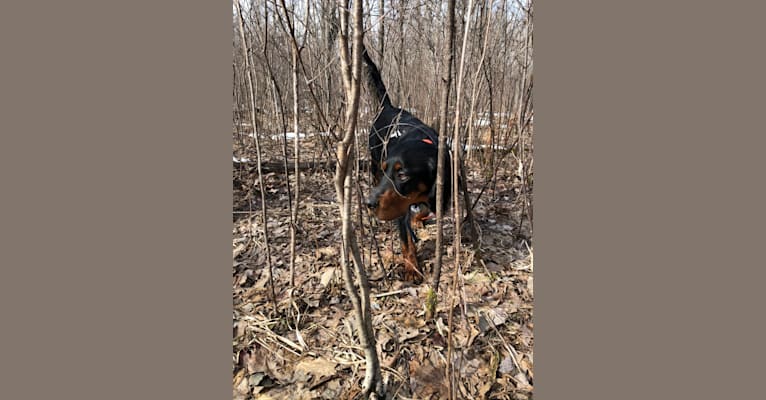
x=402, y=176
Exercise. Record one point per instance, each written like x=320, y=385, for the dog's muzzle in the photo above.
x=372, y=202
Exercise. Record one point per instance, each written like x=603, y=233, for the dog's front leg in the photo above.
x=409, y=251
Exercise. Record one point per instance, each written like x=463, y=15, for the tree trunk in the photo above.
x=456, y=172
x=351, y=72
x=381, y=28
x=442, y=129
x=249, y=79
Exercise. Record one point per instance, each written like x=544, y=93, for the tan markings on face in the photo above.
x=391, y=205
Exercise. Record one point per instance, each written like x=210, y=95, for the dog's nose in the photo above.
x=372, y=202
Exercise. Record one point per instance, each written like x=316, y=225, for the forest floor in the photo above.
x=307, y=349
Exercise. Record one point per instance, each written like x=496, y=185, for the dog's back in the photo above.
x=394, y=128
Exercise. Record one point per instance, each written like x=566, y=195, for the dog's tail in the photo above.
x=375, y=81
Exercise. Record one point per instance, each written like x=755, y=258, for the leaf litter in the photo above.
x=309, y=349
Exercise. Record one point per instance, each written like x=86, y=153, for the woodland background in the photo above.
x=294, y=329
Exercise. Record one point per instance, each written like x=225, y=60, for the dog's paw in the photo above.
x=411, y=271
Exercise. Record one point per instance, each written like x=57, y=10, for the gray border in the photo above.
x=116, y=171
x=649, y=200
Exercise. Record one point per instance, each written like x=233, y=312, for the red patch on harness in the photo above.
x=427, y=140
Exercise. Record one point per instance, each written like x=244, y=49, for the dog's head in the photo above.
x=406, y=178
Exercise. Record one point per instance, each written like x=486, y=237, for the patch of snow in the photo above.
x=486, y=146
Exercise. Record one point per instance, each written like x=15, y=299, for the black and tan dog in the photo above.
x=403, y=154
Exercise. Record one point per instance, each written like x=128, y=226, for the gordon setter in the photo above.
x=403, y=154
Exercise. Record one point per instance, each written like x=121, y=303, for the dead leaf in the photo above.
x=523, y=382
x=238, y=377
x=327, y=276
x=408, y=333
x=526, y=366
x=314, y=369
x=427, y=380
x=440, y=327
x=326, y=253
x=385, y=342
x=256, y=379
x=506, y=366
x=492, y=317
x=472, y=335
x=239, y=329
x=241, y=386
x=498, y=315
x=238, y=250
x=470, y=367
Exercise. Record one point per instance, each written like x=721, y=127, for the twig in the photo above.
x=379, y=295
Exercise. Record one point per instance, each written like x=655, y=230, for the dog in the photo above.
x=403, y=160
